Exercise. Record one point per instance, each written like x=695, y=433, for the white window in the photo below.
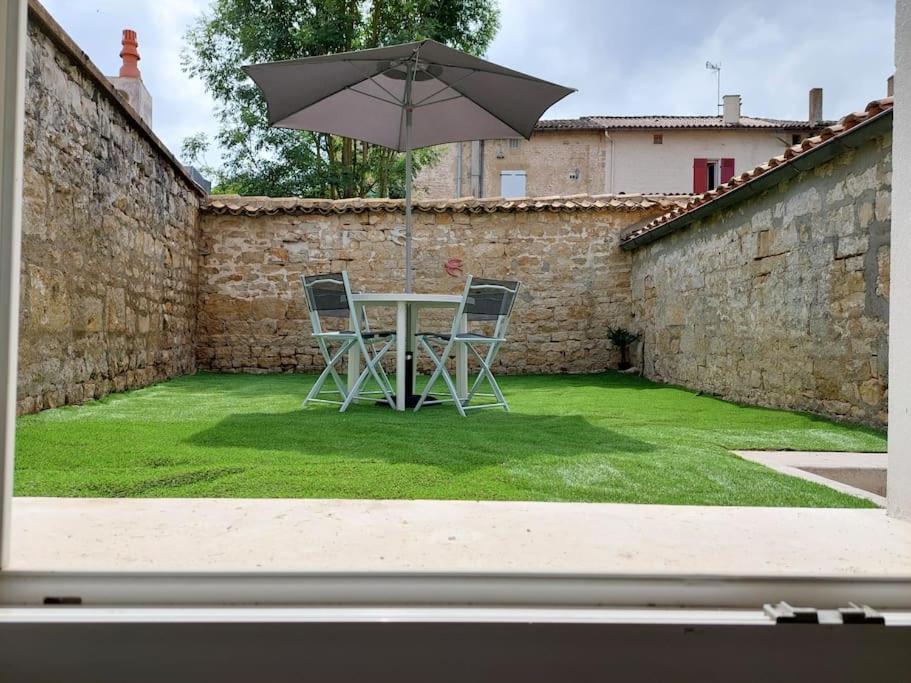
x=513, y=143
x=512, y=184
x=713, y=171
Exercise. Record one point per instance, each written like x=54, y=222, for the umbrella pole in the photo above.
x=408, y=276
x=408, y=111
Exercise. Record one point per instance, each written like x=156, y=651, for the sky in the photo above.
x=624, y=58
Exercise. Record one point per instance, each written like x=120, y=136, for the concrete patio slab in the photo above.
x=857, y=474
x=241, y=534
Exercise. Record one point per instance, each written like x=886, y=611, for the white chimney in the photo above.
x=815, y=116
x=731, y=109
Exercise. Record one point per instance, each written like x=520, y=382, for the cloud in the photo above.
x=646, y=57
x=649, y=57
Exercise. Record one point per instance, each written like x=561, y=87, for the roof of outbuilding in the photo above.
x=662, y=122
x=738, y=184
x=256, y=206
x=582, y=123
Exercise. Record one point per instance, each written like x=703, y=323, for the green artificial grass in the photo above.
x=605, y=438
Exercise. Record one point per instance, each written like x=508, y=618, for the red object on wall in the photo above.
x=727, y=170
x=453, y=267
x=700, y=176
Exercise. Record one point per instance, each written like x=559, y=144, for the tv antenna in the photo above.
x=717, y=69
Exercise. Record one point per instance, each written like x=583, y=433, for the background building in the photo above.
x=617, y=154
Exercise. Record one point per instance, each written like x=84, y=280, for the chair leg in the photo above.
x=387, y=382
x=440, y=371
x=485, y=372
x=329, y=371
x=317, y=386
x=340, y=385
x=370, y=369
x=380, y=375
x=455, y=393
x=433, y=376
x=475, y=387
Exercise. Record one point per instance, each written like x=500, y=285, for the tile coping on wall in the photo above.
x=252, y=206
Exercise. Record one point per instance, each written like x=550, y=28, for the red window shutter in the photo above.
x=700, y=176
x=727, y=170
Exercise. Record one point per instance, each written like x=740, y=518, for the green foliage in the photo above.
x=599, y=438
x=260, y=160
x=621, y=337
x=194, y=148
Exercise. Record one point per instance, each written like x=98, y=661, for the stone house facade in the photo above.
x=615, y=155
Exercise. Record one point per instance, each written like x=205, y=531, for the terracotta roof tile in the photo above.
x=825, y=136
x=583, y=123
x=256, y=206
x=662, y=122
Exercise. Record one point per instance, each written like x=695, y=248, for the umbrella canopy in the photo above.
x=404, y=97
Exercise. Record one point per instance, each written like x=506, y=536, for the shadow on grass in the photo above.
x=249, y=385
x=438, y=438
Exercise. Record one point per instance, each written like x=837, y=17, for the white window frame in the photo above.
x=592, y=598
x=13, y=15
x=517, y=173
x=712, y=164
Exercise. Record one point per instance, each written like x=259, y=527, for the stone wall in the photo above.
x=555, y=163
x=109, y=248
x=782, y=300
x=575, y=279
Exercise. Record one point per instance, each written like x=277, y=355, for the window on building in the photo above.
x=658, y=139
x=713, y=174
x=512, y=184
x=710, y=173
x=513, y=143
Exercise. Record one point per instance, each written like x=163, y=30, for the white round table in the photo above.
x=407, y=309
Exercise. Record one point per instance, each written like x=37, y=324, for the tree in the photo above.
x=260, y=160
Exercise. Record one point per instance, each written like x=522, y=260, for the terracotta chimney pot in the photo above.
x=130, y=55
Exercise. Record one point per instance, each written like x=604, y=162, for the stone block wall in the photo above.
x=556, y=163
x=109, y=249
x=781, y=300
x=575, y=279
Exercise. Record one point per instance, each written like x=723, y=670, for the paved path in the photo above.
x=73, y=533
x=863, y=466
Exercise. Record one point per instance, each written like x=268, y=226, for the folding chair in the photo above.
x=485, y=300
x=329, y=296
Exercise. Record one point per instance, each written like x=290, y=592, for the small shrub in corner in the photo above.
x=622, y=338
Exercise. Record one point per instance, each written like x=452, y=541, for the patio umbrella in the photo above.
x=404, y=97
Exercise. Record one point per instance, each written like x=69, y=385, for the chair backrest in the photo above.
x=328, y=296
x=488, y=300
